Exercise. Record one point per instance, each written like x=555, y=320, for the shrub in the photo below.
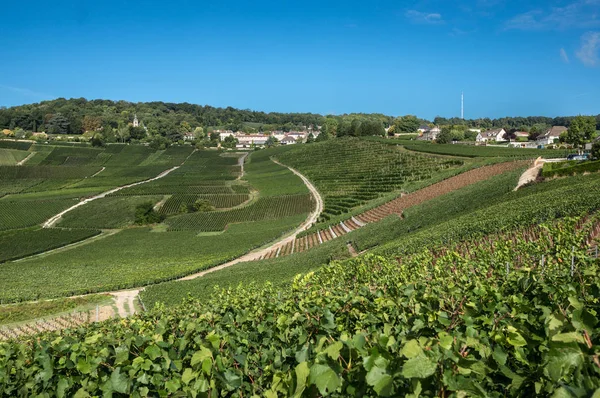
x=145, y=214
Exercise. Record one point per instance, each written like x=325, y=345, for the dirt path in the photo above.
x=531, y=174
x=54, y=219
x=99, y=171
x=258, y=253
x=22, y=162
x=122, y=297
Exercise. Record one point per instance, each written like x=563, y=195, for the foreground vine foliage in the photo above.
x=497, y=317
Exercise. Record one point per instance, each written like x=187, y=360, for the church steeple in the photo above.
x=136, y=123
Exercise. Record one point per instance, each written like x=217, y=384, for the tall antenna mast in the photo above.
x=462, y=105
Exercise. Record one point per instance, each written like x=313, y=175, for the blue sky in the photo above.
x=511, y=58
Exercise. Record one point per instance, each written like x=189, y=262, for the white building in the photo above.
x=550, y=136
x=288, y=140
x=248, y=140
x=224, y=134
x=496, y=135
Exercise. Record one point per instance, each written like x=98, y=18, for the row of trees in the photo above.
x=512, y=123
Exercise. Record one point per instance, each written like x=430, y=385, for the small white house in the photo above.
x=224, y=134
x=430, y=135
x=550, y=136
x=495, y=135
x=288, y=140
x=246, y=140
x=423, y=129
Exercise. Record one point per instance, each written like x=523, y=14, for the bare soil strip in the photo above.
x=398, y=205
x=22, y=162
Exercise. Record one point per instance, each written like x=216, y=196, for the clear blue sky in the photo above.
x=511, y=58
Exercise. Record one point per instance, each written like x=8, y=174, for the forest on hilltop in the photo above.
x=171, y=120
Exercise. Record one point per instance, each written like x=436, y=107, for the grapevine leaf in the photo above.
x=187, y=376
x=419, y=367
x=201, y=355
x=83, y=366
x=381, y=382
x=302, y=373
x=324, y=378
x=411, y=349
x=334, y=350
x=568, y=337
x=119, y=381
x=152, y=351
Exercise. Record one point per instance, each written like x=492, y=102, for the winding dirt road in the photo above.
x=54, y=219
x=258, y=253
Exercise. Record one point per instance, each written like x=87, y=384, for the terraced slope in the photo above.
x=396, y=206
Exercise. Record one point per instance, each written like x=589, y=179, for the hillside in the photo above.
x=427, y=274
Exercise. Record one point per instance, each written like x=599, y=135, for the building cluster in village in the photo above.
x=549, y=137
x=260, y=140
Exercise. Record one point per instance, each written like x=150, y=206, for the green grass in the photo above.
x=20, y=243
x=21, y=312
x=106, y=213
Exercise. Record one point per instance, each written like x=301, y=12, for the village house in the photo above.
x=188, y=137
x=496, y=135
x=423, y=129
x=430, y=135
x=551, y=136
x=288, y=140
x=521, y=135
x=248, y=140
x=224, y=134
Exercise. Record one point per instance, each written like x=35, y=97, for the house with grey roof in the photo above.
x=550, y=136
x=496, y=135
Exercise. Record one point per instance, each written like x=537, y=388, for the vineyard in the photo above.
x=269, y=208
x=473, y=151
x=362, y=171
x=11, y=157
x=509, y=314
x=177, y=202
x=20, y=243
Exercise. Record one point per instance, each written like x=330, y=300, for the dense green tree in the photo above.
x=271, y=141
x=202, y=205
x=595, y=152
x=229, y=142
x=406, y=124
x=310, y=139
x=145, y=214
x=137, y=133
x=58, y=124
x=324, y=136
x=582, y=129
x=330, y=126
